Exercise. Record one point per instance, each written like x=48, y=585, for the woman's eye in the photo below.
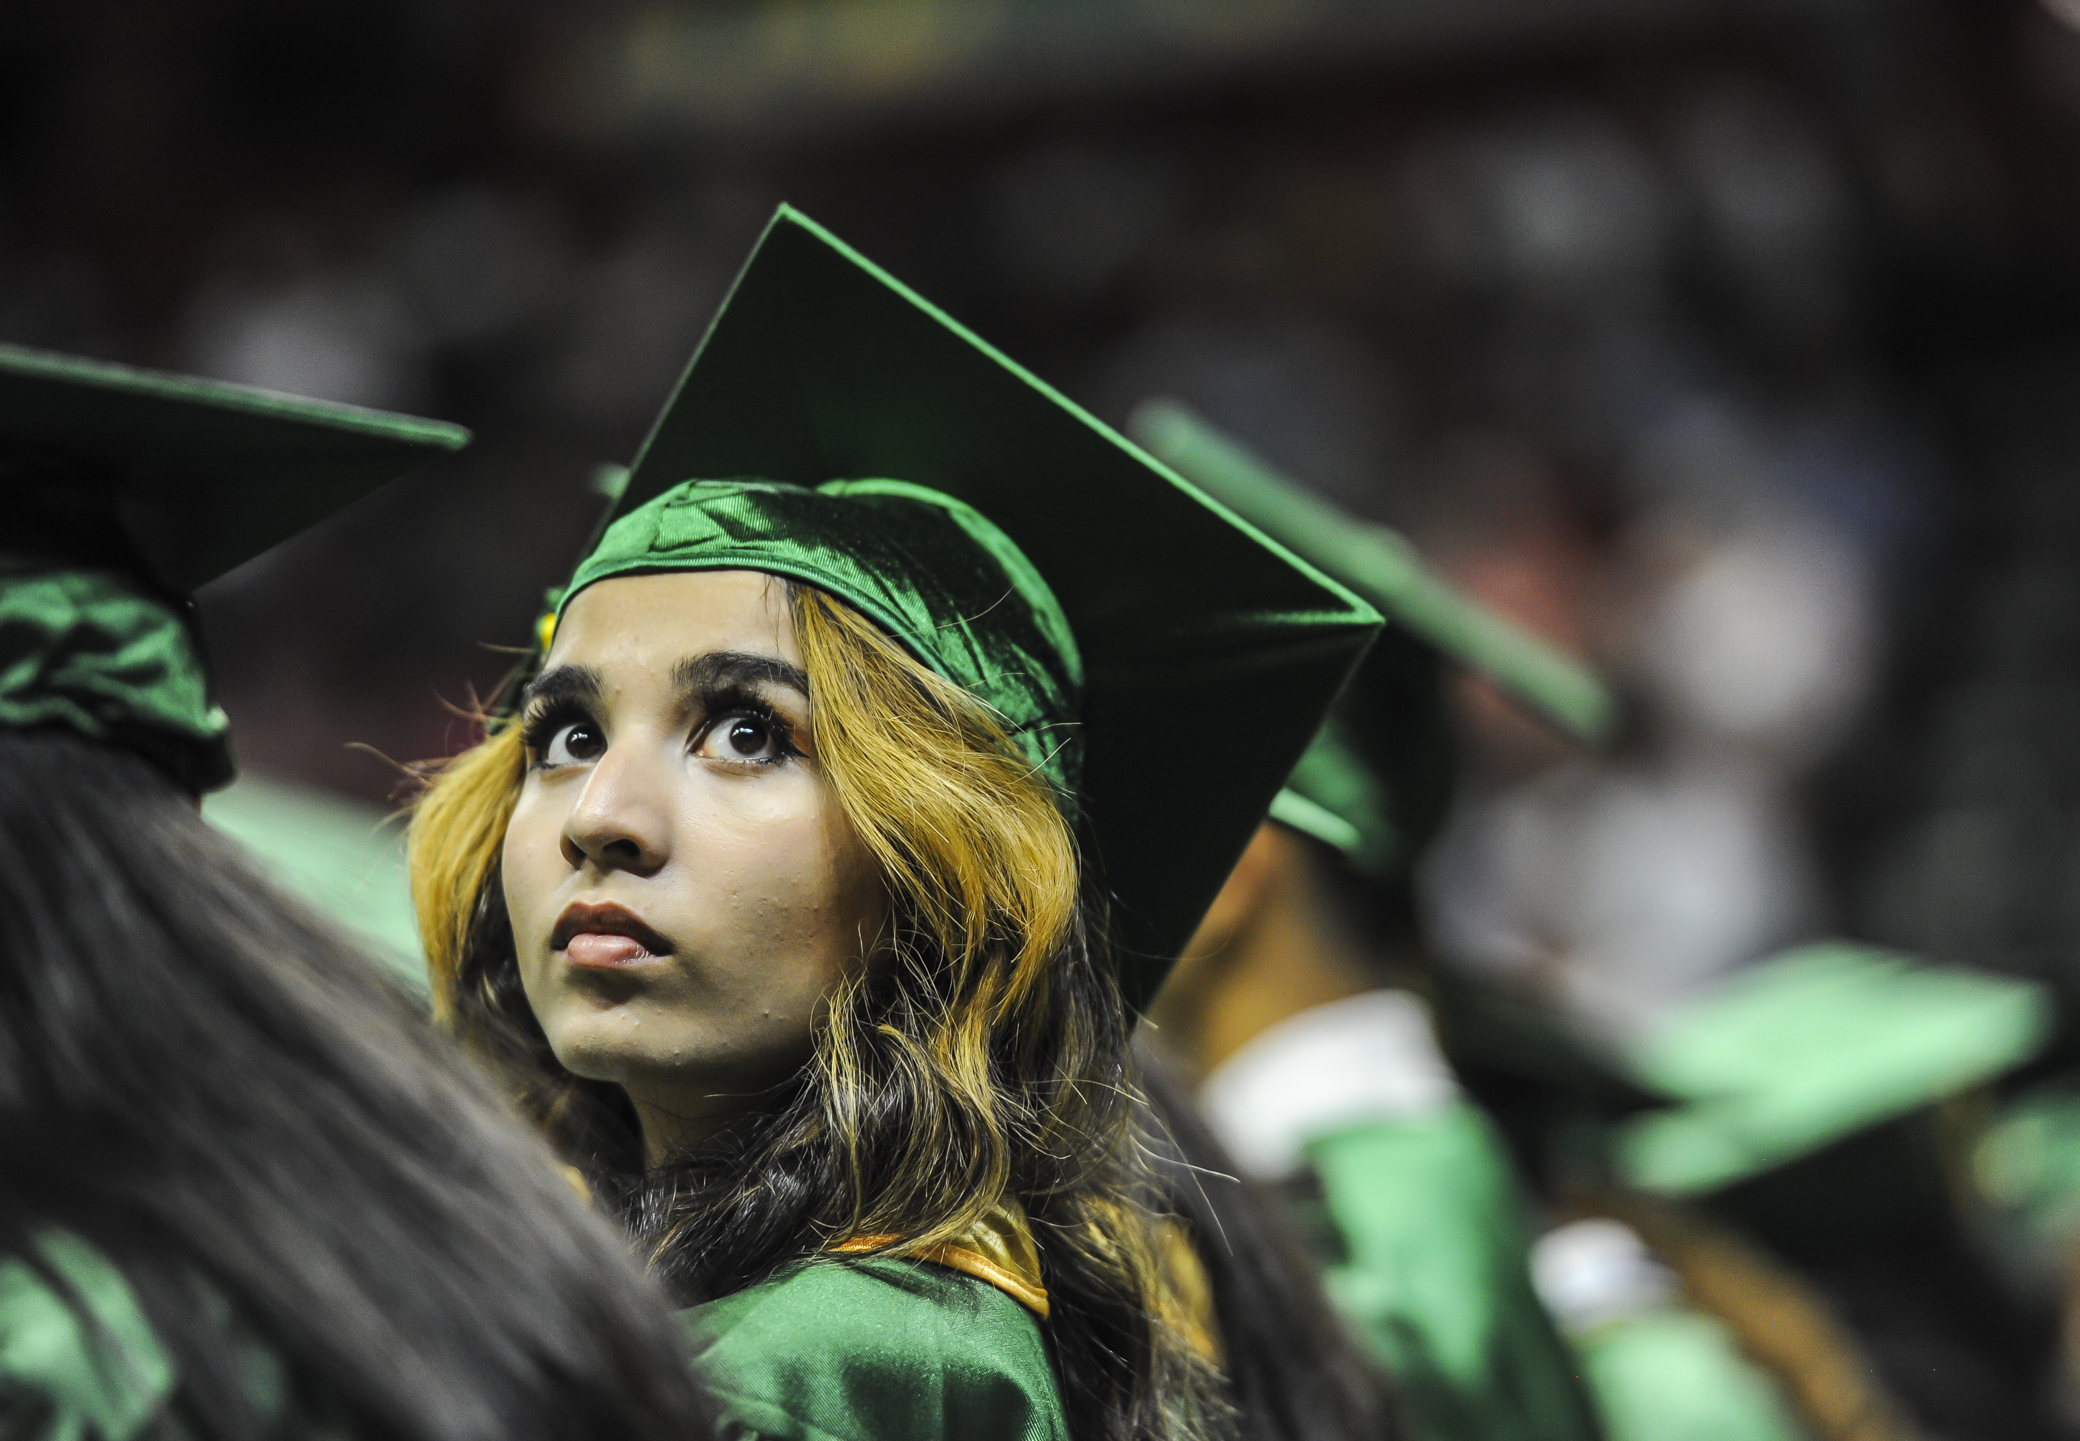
x=574, y=744
x=740, y=738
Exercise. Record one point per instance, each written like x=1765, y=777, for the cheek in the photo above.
x=530, y=862
x=790, y=878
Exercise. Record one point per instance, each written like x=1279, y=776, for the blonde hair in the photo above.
x=457, y=833
x=981, y=872
x=982, y=1058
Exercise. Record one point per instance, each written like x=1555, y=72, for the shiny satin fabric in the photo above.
x=91, y=652
x=934, y=573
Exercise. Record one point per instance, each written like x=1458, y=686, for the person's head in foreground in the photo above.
x=780, y=895
x=247, y=1190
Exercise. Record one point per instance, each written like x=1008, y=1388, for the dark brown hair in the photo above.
x=223, y=1097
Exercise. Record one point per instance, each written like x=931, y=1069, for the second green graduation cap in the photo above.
x=177, y=477
x=1375, y=784
x=124, y=490
x=1209, y=654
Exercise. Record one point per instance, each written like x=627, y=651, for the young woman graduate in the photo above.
x=886, y=746
x=246, y=1191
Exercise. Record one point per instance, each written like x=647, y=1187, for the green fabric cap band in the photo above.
x=92, y=651
x=933, y=572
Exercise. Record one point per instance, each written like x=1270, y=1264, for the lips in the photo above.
x=605, y=937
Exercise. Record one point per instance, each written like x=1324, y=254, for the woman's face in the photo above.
x=684, y=888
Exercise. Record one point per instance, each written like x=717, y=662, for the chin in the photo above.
x=654, y=1059
x=606, y=1053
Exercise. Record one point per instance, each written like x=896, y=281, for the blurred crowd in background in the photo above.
x=1734, y=347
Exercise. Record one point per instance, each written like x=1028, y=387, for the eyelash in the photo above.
x=726, y=705
x=539, y=726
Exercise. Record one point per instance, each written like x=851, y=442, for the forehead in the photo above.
x=666, y=617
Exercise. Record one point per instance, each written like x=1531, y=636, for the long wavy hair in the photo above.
x=986, y=1060
x=228, y=1101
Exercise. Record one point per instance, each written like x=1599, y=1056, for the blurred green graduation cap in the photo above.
x=191, y=477
x=127, y=489
x=1374, y=784
x=1194, y=631
x=1813, y=1045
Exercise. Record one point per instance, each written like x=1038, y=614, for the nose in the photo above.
x=620, y=821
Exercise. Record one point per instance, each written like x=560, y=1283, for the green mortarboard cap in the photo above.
x=822, y=368
x=1375, y=784
x=127, y=489
x=1813, y=1045
x=189, y=477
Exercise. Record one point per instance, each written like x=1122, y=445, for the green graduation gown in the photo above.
x=103, y=1375
x=1407, y=1194
x=1433, y=1273
x=59, y=1380
x=862, y=1350
x=1676, y=1372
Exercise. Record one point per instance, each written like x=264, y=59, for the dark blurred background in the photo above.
x=1629, y=310
x=1732, y=344
x=1614, y=304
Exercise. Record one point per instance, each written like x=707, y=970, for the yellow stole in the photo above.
x=997, y=1249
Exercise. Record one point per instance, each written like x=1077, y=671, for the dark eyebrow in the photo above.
x=724, y=669
x=565, y=684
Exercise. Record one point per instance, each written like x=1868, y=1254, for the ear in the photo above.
x=1269, y=852
x=1247, y=887
x=1250, y=887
